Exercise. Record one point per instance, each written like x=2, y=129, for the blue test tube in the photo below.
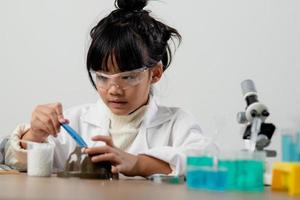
x=298, y=146
x=288, y=148
x=78, y=139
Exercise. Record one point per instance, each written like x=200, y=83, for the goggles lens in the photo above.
x=123, y=80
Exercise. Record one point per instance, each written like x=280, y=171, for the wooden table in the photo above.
x=21, y=186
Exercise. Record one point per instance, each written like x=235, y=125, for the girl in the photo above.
x=129, y=52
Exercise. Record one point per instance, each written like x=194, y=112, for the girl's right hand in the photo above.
x=45, y=121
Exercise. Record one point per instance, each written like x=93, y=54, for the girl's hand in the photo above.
x=45, y=121
x=122, y=162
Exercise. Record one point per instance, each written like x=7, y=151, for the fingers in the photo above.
x=112, y=157
x=115, y=169
x=59, y=111
x=40, y=126
x=39, y=133
x=47, y=118
x=121, y=161
x=106, y=139
x=103, y=153
x=100, y=150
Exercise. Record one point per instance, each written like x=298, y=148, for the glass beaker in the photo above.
x=39, y=158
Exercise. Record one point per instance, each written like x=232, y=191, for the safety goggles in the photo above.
x=123, y=80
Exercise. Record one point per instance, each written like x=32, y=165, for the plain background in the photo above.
x=43, y=45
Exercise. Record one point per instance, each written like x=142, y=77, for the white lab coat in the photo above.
x=169, y=134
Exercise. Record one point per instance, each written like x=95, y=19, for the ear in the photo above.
x=156, y=73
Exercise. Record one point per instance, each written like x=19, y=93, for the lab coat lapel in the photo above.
x=153, y=118
x=97, y=117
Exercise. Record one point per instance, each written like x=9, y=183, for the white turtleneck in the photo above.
x=124, y=128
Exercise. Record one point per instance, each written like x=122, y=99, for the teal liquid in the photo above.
x=199, y=161
x=207, y=178
x=231, y=167
x=249, y=175
x=196, y=178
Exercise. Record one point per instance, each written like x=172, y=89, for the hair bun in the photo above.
x=132, y=5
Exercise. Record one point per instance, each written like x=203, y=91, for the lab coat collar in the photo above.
x=155, y=116
x=97, y=115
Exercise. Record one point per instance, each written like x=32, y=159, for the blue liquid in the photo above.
x=288, y=148
x=297, y=147
x=207, y=178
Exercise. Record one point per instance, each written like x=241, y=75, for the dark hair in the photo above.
x=130, y=36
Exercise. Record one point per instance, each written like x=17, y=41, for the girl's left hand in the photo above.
x=122, y=162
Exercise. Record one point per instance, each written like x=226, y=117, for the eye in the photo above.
x=129, y=77
x=101, y=78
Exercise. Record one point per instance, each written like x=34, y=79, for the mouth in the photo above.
x=117, y=103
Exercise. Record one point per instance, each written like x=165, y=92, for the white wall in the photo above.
x=43, y=45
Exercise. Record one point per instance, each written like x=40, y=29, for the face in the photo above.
x=125, y=100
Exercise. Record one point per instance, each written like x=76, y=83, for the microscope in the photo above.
x=257, y=134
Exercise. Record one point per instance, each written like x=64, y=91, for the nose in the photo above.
x=115, y=89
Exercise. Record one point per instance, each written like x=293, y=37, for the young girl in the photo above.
x=129, y=52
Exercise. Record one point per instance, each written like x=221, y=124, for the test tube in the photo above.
x=288, y=147
x=298, y=146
